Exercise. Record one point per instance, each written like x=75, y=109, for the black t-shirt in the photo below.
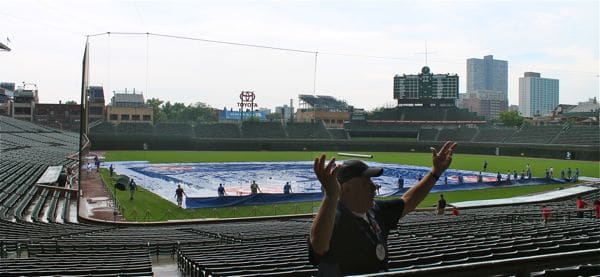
x=442, y=204
x=179, y=192
x=354, y=242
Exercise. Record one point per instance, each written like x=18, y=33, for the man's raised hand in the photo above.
x=443, y=158
x=327, y=176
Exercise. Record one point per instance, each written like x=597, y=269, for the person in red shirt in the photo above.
x=546, y=214
x=455, y=211
x=597, y=208
x=581, y=204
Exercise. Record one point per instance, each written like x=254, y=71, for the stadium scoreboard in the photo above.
x=426, y=86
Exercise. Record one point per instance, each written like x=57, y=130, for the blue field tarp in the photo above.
x=277, y=198
x=485, y=185
x=256, y=199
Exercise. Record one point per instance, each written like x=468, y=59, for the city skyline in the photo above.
x=361, y=47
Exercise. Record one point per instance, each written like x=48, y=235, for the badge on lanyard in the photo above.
x=380, y=251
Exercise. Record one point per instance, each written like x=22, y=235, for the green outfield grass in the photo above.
x=147, y=206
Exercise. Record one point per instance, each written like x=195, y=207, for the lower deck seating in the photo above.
x=115, y=263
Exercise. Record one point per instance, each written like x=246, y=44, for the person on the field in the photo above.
x=569, y=173
x=515, y=175
x=179, y=193
x=400, y=182
x=221, y=190
x=460, y=178
x=111, y=170
x=132, y=188
x=484, y=165
x=349, y=233
x=498, y=178
x=254, y=189
x=441, y=206
x=479, y=178
x=287, y=188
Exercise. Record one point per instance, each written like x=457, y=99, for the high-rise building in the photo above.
x=537, y=96
x=488, y=104
x=487, y=74
x=487, y=86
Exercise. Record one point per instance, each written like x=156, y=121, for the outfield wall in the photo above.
x=136, y=142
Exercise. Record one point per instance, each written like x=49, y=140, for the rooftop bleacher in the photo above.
x=323, y=102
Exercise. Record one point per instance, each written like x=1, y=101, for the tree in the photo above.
x=511, y=118
x=252, y=119
x=70, y=102
x=274, y=117
x=155, y=103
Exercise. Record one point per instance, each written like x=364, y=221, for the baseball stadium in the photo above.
x=135, y=188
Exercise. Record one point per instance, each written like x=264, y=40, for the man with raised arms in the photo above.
x=349, y=233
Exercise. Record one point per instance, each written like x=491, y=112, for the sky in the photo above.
x=360, y=46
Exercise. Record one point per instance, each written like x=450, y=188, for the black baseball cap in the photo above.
x=356, y=168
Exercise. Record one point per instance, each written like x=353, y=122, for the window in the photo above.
x=135, y=117
x=96, y=110
x=147, y=118
x=113, y=117
x=124, y=117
